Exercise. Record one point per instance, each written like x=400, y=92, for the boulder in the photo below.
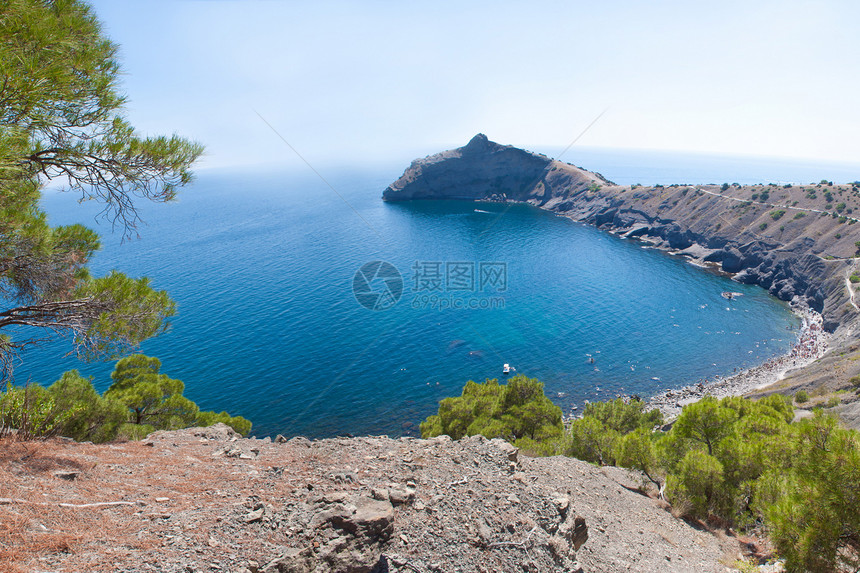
x=293, y=560
x=364, y=517
x=574, y=530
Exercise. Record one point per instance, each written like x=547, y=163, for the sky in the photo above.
x=384, y=81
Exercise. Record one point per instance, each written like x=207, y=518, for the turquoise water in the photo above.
x=263, y=267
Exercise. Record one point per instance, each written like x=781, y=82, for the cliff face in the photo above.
x=794, y=241
x=481, y=170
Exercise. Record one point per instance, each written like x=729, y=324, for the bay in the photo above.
x=263, y=268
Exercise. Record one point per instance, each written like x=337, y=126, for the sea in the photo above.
x=311, y=307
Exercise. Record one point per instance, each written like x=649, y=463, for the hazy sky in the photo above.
x=386, y=81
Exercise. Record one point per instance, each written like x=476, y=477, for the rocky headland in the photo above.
x=796, y=241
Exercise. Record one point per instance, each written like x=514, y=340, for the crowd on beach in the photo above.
x=811, y=345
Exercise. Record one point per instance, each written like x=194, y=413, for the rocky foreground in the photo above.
x=204, y=499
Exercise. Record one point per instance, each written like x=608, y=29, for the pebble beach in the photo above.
x=810, y=346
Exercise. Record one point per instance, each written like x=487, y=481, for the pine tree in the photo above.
x=154, y=399
x=61, y=118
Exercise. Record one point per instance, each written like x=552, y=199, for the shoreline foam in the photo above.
x=812, y=344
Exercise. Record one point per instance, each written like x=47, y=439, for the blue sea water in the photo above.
x=263, y=268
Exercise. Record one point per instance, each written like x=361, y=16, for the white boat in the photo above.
x=506, y=369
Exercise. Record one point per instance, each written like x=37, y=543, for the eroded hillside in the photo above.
x=206, y=500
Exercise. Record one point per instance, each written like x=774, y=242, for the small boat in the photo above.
x=506, y=369
x=730, y=295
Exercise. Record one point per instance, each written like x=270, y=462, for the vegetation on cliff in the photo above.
x=733, y=462
x=518, y=411
x=140, y=401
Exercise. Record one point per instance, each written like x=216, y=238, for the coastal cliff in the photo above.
x=484, y=170
x=796, y=241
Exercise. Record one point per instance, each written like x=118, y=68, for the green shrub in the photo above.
x=589, y=440
x=623, y=415
x=799, y=215
x=637, y=450
x=94, y=418
x=134, y=432
x=735, y=440
x=697, y=484
x=762, y=227
x=31, y=411
x=238, y=423
x=516, y=410
x=810, y=507
x=139, y=401
x=854, y=278
x=706, y=421
x=777, y=215
x=594, y=437
x=801, y=396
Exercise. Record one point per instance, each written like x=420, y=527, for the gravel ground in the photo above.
x=205, y=500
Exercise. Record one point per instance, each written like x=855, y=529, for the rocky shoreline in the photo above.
x=798, y=242
x=812, y=344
